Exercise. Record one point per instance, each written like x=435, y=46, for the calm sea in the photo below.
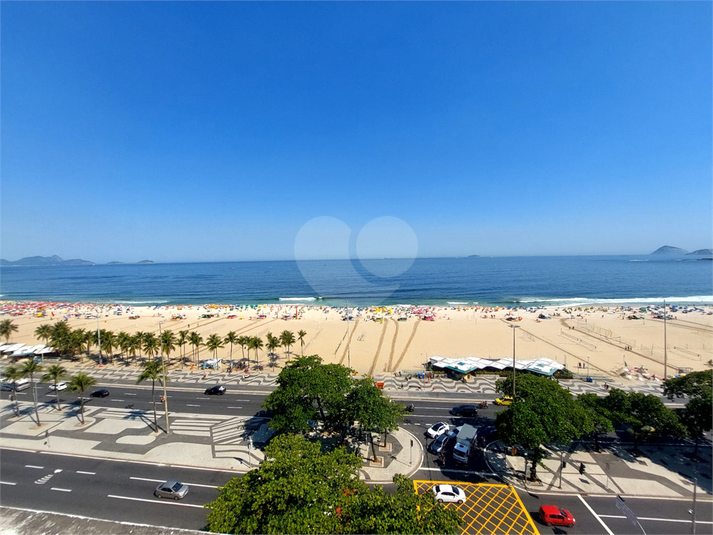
x=528, y=281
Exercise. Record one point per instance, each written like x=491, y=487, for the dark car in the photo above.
x=486, y=435
x=101, y=393
x=438, y=446
x=465, y=410
x=216, y=390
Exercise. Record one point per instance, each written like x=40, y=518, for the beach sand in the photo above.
x=576, y=337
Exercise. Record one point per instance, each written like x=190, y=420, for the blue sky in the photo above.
x=216, y=131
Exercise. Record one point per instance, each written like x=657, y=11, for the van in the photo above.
x=22, y=384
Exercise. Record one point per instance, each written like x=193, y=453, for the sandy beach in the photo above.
x=392, y=339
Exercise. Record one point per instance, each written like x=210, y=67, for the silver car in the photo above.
x=171, y=489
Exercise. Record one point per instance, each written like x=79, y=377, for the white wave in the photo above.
x=299, y=298
x=457, y=302
x=159, y=302
x=646, y=260
x=575, y=301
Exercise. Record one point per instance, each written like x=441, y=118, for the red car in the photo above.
x=554, y=516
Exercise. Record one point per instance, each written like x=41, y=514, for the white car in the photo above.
x=436, y=430
x=58, y=387
x=449, y=494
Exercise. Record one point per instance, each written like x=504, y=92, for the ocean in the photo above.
x=502, y=281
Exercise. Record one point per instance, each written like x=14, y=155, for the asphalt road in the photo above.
x=123, y=491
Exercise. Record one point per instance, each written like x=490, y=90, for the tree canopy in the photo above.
x=299, y=489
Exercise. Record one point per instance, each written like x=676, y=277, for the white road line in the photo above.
x=88, y=473
x=235, y=407
x=129, y=394
x=118, y=400
x=7, y=483
x=684, y=521
x=242, y=400
x=33, y=466
x=595, y=515
x=162, y=502
x=184, y=482
x=61, y=490
x=191, y=405
x=488, y=474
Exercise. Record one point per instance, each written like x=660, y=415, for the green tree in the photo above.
x=123, y=342
x=598, y=413
x=7, y=327
x=231, y=338
x=298, y=489
x=79, y=383
x=150, y=344
x=168, y=343
x=214, y=343
x=31, y=368
x=12, y=374
x=272, y=343
x=196, y=341
x=697, y=415
x=54, y=374
x=181, y=342
x=152, y=370
x=257, y=344
x=301, y=337
x=287, y=338
x=138, y=342
x=44, y=332
x=108, y=343
x=542, y=413
x=243, y=341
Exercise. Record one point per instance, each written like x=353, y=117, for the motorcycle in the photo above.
x=483, y=405
x=410, y=407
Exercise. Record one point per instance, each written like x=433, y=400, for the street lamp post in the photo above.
x=665, y=352
x=163, y=368
x=513, y=359
x=588, y=368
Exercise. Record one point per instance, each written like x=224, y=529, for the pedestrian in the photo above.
x=204, y=374
x=581, y=468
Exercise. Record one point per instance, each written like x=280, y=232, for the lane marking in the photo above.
x=129, y=394
x=60, y=490
x=595, y=515
x=118, y=400
x=191, y=405
x=163, y=502
x=459, y=471
x=33, y=466
x=162, y=480
x=88, y=473
x=7, y=483
x=647, y=518
x=235, y=407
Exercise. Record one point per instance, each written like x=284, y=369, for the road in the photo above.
x=123, y=491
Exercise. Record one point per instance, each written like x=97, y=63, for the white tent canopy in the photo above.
x=469, y=364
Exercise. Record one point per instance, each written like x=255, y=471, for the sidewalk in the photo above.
x=660, y=471
x=218, y=442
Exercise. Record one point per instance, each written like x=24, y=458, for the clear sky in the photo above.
x=216, y=130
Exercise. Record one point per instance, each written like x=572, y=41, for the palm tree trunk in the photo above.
x=17, y=403
x=34, y=398
x=56, y=392
x=81, y=401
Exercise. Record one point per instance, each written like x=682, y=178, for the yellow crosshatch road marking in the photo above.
x=488, y=509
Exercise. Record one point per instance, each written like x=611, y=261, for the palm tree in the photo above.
x=243, y=341
x=152, y=371
x=213, y=343
x=139, y=338
x=108, y=344
x=44, y=332
x=257, y=344
x=7, y=327
x=196, y=340
x=301, y=337
x=181, y=342
x=12, y=374
x=151, y=344
x=123, y=342
x=31, y=368
x=231, y=338
x=168, y=343
x=54, y=374
x=287, y=339
x=79, y=383
x=136, y=341
x=272, y=344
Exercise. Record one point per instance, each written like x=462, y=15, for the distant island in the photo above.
x=669, y=250
x=34, y=261
x=474, y=256
x=45, y=261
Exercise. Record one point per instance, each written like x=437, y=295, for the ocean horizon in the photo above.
x=498, y=281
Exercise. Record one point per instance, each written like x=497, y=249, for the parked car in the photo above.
x=437, y=429
x=465, y=410
x=554, y=516
x=171, y=489
x=505, y=400
x=449, y=494
x=101, y=393
x=58, y=387
x=216, y=390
